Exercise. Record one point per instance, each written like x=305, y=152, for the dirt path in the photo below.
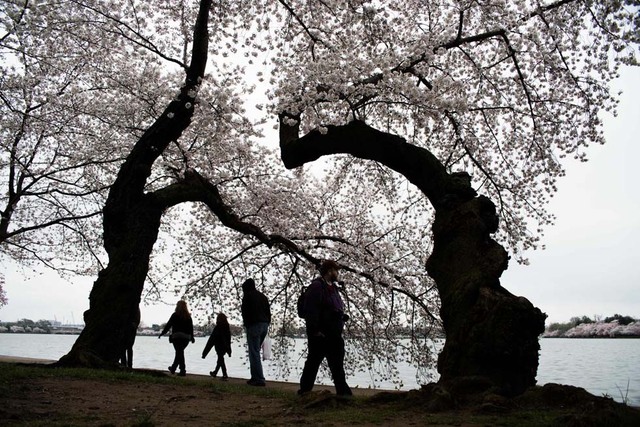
x=280, y=385
x=180, y=401
x=29, y=397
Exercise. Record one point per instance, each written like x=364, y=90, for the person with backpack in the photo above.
x=220, y=339
x=323, y=311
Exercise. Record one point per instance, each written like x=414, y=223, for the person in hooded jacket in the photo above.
x=220, y=339
x=324, y=317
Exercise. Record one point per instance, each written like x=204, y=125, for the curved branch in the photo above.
x=196, y=188
x=417, y=164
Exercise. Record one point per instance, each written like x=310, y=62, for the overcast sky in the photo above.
x=591, y=265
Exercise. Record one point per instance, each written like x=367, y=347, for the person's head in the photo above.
x=221, y=319
x=181, y=308
x=329, y=270
x=248, y=285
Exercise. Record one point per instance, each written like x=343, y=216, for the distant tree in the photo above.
x=44, y=325
x=26, y=323
x=622, y=320
x=560, y=328
x=575, y=321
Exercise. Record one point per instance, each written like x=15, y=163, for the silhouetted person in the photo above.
x=181, y=327
x=324, y=316
x=130, y=338
x=256, y=316
x=220, y=339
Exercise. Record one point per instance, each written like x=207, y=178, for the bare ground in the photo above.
x=32, y=399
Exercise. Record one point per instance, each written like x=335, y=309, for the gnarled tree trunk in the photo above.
x=131, y=222
x=115, y=296
x=491, y=335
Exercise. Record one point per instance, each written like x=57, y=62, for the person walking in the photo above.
x=256, y=316
x=220, y=339
x=324, y=316
x=181, y=327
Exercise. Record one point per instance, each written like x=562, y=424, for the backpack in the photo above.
x=301, y=300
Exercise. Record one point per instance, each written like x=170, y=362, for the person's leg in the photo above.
x=335, y=360
x=254, y=340
x=179, y=346
x=176, y=360
x=223, y=366
x=130, y=357
x=264, y=328
x=315, y=354
x=219, y=363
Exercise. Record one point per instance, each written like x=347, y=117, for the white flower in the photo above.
x=170, y=115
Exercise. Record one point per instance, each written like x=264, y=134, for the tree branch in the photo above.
x=417, y=164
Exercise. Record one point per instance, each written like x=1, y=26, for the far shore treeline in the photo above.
x=616, y=326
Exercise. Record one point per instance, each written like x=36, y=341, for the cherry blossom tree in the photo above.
x=446, y=124
x=62, y=131
x=460, y=97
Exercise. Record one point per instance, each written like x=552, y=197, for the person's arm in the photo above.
x=245, y=310
x=268, y=309
x=227, y=337
x=264, y=307
x=313, y=307
x=209, y=345
x=167, y=326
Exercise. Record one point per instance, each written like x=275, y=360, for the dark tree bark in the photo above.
x=131, y=220
x=491, y=335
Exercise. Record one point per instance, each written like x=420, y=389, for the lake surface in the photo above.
x=601, y=366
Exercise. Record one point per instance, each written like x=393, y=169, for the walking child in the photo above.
x=220, y=339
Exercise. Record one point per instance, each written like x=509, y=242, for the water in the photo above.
x=601, y=366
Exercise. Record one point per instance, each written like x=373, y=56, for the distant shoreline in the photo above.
x=593, y=337
x=147, y=335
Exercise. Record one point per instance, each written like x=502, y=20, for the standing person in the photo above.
x=324, y=316
x=256, y=316
x=181, y=327
x=126, y=359
x=220, y=339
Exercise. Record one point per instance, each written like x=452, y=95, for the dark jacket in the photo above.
x=255, y=308
x=220, y=339
x=324, y=309
x=179, y=324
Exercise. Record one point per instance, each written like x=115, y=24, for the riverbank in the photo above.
x=36, y=395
